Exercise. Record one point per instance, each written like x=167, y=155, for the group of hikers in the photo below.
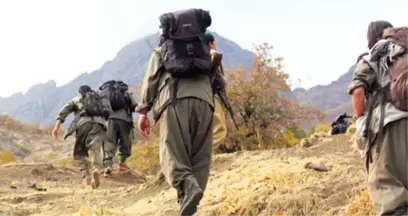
x=184, y=88
x=103, y=121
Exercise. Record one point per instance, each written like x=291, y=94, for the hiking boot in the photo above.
x=95, y=179
x=403, y=210
x=123, y=166
x=87, y=180
x=192, y=197
x=108, y=172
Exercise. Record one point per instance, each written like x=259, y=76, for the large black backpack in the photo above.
x=184, y=51
x=115, y=92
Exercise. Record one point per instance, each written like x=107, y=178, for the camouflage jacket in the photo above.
x=369, y=76
x=156, y=93
x=75, y=106
x=125, y=114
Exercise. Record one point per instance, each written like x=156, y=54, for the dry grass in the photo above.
x=283, y=187
x=321, y=128
x=67, y=162
x=360, y=206
x=7, y=157
x=145, y=157
x=98, y=211
x=12, y=124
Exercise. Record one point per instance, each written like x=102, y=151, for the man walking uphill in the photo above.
x=380, y=79
x=178, y=90
x=89, y=124
x=120, y=124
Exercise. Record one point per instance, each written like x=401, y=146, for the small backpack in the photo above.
x=92, y=104
x=115, y=92
x=184, y=49
x=398, y=70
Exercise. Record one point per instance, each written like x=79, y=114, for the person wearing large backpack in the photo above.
x=379, y=90
x=91, y=112
x=120, y=124
x=177, y=88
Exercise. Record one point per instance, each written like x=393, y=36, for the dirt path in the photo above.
x=249, y=183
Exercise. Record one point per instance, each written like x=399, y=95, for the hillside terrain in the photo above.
x=278, y=182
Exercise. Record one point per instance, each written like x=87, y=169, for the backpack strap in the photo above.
x=378, y=99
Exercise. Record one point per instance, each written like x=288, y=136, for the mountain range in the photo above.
x=41, y=103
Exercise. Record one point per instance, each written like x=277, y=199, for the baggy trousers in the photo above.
x=387, y=179
x=118, y=134
x=88, y=144
x=186, y=130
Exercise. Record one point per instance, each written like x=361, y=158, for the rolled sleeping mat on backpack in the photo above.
x=192, y=21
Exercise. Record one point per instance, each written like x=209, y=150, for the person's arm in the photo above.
x=63, y=114
x=362, y=81
x=66, y=110
x=150, y=84
x=133, y=102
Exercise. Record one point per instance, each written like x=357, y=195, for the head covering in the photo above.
x=375, y=31
x=209, y=38
x=84, y=89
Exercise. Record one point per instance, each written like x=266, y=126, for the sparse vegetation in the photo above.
x=261, y=107
x=360, y=205
x=321, y=128
x=7, y=157
x=145, y=157
x=67, y=162
x=98, y=211
x=12, y=124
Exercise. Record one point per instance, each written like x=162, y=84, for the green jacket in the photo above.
x=369, y=76
x=124, y=114
x=156, y=91
x=75, y=106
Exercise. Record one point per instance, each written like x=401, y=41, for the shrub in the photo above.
x=261, y=106
x=7, y=157
x=321, y=128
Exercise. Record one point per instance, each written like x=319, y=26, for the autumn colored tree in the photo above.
x=261, y=105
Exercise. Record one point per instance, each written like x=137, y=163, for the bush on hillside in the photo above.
x=145, y=152
x=145, y=157
x=261, y=109
x=321, y=128
x=7, y=157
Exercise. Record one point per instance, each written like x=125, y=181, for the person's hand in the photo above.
x=144, y=126
x=55, y=133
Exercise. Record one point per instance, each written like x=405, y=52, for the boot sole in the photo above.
x=95, y=179
x=192, y=203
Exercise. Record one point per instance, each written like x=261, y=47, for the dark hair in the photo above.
x=84, y=89
x=209, y=38
x=375, y=31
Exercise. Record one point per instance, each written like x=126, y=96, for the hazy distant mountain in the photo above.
x=332, y=99
x=41, y=103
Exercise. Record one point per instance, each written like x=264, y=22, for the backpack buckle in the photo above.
x=190, y=49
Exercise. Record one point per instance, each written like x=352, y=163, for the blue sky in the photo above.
x=59, y=39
